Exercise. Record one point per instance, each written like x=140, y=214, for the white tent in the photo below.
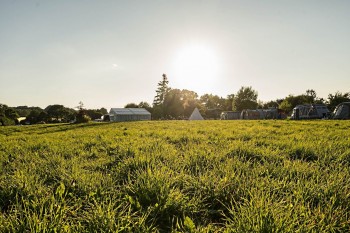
x=196, y=115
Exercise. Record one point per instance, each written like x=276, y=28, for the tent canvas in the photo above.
x=342, y=111
x=196, y=115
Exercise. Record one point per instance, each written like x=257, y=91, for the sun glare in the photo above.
x=196, y=67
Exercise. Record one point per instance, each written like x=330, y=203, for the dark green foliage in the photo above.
x=337, y=98
x=245, y=98
x=8, y=116
x=58, y=113
x=82, y=116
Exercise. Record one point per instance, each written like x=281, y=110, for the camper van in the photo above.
x=342, y=111
x=310, y=111
x=230, y=115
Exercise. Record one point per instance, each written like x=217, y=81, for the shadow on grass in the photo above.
x=67, y=127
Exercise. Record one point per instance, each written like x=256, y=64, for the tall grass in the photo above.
x=176, y=176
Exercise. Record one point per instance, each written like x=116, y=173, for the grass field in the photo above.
x=176, y=176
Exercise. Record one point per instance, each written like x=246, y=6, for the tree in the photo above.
x=291, y=101
x=313, y=98
x=8, y=116
x=161, y=91
x=131, y=105
x=286, y=106
x=93, y=113
x=159, y=99
x=82, y=117
x=189, y=102
x=213, y=105
x=211, y=101
x=11, y=113
x=310, y=97
x=246, y=98
x=272, y=104
x=229, y=102
x=146, y=106
x=103, y=111
x=337, y=98
x=173, y=105
x=56, y=111
x=35, y=116
x=60, y=113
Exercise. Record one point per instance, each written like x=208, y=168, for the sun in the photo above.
x=196, y=67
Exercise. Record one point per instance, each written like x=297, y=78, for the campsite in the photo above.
x=176, y=176
x=156, y=116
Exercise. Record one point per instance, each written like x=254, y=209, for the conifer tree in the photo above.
x=159, y=99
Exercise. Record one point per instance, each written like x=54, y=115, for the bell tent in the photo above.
x=196, y=115
x=342, y=111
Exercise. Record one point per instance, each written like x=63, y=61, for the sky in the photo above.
x=110, y=53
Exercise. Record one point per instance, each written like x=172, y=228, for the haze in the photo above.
x=110, y=53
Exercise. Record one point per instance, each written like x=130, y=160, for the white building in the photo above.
x=129, y=114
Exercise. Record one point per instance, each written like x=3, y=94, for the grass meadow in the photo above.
x=176, y=176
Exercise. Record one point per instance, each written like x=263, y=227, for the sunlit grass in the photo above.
x=176, y=176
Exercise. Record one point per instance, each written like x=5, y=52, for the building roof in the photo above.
x=129, y=111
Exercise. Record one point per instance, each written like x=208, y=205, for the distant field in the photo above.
x=176, y=176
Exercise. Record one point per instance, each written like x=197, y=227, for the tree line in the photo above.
x=55, y=113
x=171, y=103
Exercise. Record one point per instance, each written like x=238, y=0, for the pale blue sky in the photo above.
x=109, y=53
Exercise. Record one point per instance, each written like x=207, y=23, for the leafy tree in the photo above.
x=43, y=116
x=271, y=104
x=60, y=113
x=189, y=102
x=313, y=98
x=146, y=106
x=24, y=111
x=35, y=116
x=228, y=102
x=131, y=105
x=93, y=113
x=56, y=111
x=103, y=111
x=11, y=113
x=213, y=105
x=337, y=98
x=291, y=101
x=310, y=97
x=211, y=101
x=246, y=98
x=286, y=106
x=8, y=116
x=173, y=105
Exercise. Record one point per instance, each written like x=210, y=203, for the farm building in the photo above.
x=310, y=111
x=342, y=111
x=129, y=114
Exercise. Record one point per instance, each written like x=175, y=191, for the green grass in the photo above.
x=176, y=176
